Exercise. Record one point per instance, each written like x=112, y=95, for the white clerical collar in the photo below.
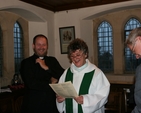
x=81, y=68
x=41, y=58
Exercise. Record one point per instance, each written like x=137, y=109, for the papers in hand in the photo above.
x=65, y=89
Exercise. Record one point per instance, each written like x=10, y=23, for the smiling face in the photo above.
x=78, y=58
x=78, y=52
x=40, y=46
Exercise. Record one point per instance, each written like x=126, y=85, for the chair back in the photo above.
x=114, y=103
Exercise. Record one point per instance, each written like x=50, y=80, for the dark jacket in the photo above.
x=137, y=90
x=39, y=97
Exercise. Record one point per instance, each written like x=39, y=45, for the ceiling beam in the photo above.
x=71, y=5
x=87, y=4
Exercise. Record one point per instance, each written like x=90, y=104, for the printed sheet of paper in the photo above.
x=65, y=89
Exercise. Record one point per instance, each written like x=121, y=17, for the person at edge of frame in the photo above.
x=133, y=42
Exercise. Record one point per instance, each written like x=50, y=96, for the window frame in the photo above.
x=18, y=46
x=104, y=30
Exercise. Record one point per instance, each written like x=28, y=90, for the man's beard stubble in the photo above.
x=40, y=55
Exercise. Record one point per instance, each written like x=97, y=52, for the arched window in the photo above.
x=18, y=46
x=130, y=61
x=105, y=47
x=1, y=53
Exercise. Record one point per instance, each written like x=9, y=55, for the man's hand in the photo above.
x=42, y=63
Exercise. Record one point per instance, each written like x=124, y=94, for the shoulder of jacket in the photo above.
x=50, y=57
x=28, y=59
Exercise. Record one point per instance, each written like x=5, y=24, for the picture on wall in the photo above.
x=67, y=34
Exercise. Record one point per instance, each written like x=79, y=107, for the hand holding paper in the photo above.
x=65, y=89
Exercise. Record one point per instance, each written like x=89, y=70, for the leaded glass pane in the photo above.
x=105, y=47
x=18, y=46
x=1, y=57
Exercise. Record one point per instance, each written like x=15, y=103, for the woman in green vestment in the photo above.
x=88, y=80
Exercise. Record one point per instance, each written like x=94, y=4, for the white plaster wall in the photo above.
x=82, y=20
x=48, y=23
x=40, y=20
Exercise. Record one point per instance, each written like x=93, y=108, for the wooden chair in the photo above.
x=128, y=106
x=114, y=103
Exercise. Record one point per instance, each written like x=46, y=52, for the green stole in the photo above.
x=84, y=88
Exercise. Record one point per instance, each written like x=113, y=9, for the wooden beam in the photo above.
x=70, y=4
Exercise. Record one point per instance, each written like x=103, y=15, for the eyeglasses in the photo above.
x=78, y=55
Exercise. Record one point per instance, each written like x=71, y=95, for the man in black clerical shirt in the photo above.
x=37, y=72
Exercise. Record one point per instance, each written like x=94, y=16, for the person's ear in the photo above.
x=86, y=55
x=33, y=46
x=139, y=37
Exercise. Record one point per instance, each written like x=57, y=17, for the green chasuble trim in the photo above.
x=69, y=77
x=84, y=88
